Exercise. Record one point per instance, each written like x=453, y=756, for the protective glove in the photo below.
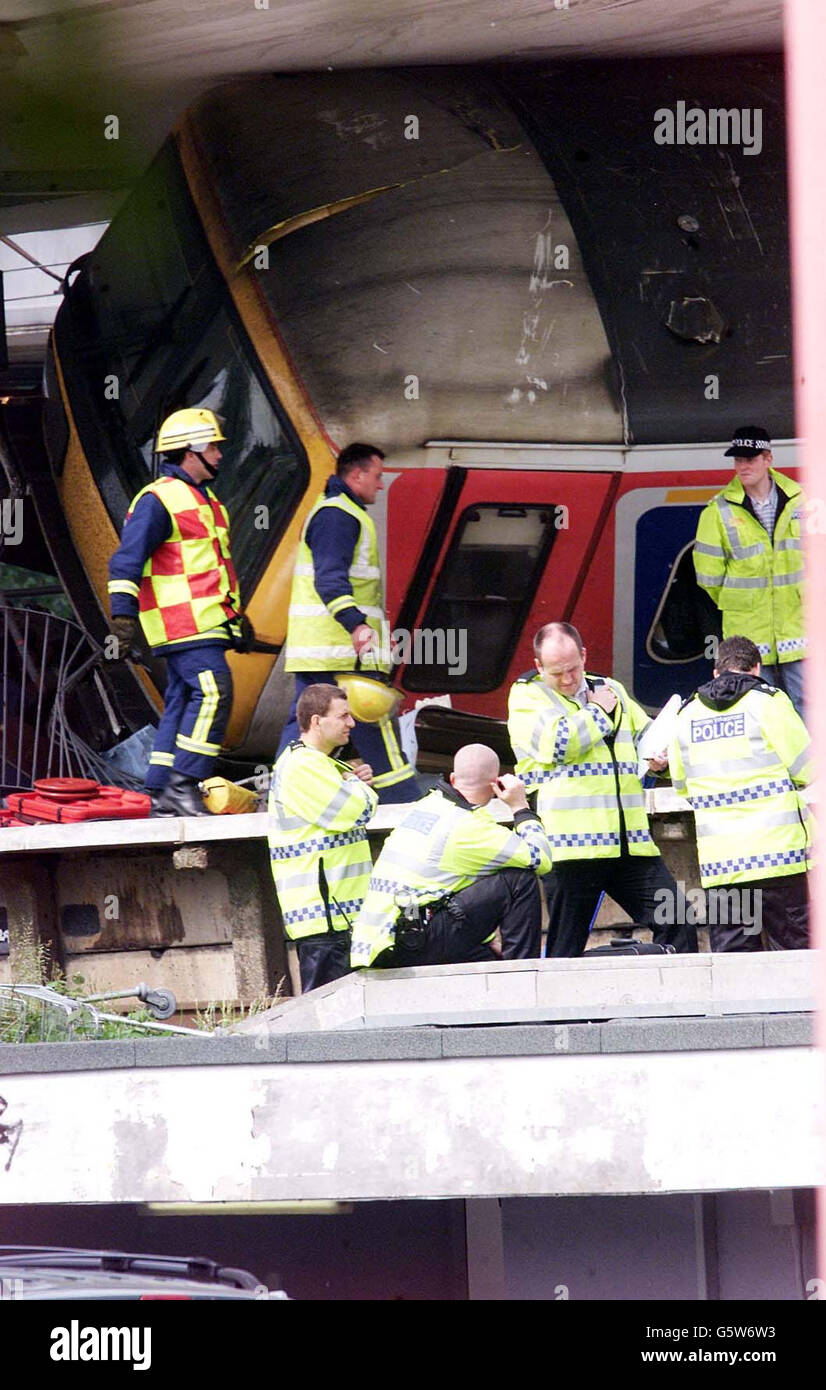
x=242, y=633
x=124, y=630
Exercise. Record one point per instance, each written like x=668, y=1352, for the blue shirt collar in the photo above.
x=336, y=486
x=174, y=470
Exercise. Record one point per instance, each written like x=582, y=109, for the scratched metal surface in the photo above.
x=452, y=273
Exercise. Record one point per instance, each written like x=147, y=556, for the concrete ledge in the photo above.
x=184, y=830
x=536, y=991
x=413, y=1044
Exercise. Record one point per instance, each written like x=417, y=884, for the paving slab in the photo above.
x=369, y=1045
x=784, y=980
x=522, y=1040
x=31, y=1058
x=681, y=1034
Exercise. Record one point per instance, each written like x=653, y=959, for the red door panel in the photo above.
x=577, y=503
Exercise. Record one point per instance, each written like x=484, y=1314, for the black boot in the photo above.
x=180, y=797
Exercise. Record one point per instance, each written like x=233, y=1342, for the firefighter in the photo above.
x=318, y=810
x=739, y=753
x=748, y=556
x=575, y=737
x=336, y=618
x=173, y=569
x=450, y=874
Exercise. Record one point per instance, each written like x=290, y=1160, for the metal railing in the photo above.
x=42, y=1014
x=58, y=716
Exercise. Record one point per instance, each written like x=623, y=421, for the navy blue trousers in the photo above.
x=197, y=705
x=378, y=744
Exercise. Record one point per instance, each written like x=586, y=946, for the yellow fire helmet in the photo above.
x=193, y=428
x=370, y=700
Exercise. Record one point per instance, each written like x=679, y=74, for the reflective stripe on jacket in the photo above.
x=318, y=811
x=315, y=640
x=188, y=587
x=740, y=768
x=755, y=580
x=583, y=762
x=439, y=848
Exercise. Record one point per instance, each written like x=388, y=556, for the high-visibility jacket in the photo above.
x=583, y=764
x=315, y=640
x=319, y=853
x=756, y=580
x=740, y=767
x=188, y=588
x=442, y=845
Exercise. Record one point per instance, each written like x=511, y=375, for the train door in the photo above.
x=501, y=553
x=664, y=626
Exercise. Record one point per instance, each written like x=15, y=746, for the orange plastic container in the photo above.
x=101, y=803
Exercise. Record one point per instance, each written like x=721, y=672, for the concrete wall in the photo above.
x=437, y=1126
x=201, y=921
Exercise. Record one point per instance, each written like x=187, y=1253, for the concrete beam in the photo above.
x=530, y=991
x=492, y=1126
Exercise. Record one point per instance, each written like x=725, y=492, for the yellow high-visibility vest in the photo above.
x=740, y=768
x=188, y=587
x=318, y=812
x=439, y=849
x=583, y=763
x=315, y=640
x=755, y=580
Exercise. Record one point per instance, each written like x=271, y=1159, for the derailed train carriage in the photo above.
x=549, y=321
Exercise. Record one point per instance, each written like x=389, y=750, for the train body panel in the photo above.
x=548, y=319
x=615, y=560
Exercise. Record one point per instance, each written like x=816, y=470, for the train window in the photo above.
x=260, y=470
x=167, y=334
x=481, y=598
x=685, y=616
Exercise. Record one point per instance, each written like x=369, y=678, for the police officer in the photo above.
x=739, y=753
x=336, y=619
x=318, y=810
x=748, y=555
x=575, y=737
x=173, y=569
x=450, y=874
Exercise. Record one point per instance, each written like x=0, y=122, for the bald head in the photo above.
x=560, y=658
x=475, y=767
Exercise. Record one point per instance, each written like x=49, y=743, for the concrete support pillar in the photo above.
x=28, y=895
x=257, y=934
x=485, y=1249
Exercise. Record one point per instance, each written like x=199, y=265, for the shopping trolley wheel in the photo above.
x=161, y=1003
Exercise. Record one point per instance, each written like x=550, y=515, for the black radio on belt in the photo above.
x=412, y=921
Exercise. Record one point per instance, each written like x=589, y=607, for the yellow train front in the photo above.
x=480, y=256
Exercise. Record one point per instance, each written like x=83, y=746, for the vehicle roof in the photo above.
x=40, y=1272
